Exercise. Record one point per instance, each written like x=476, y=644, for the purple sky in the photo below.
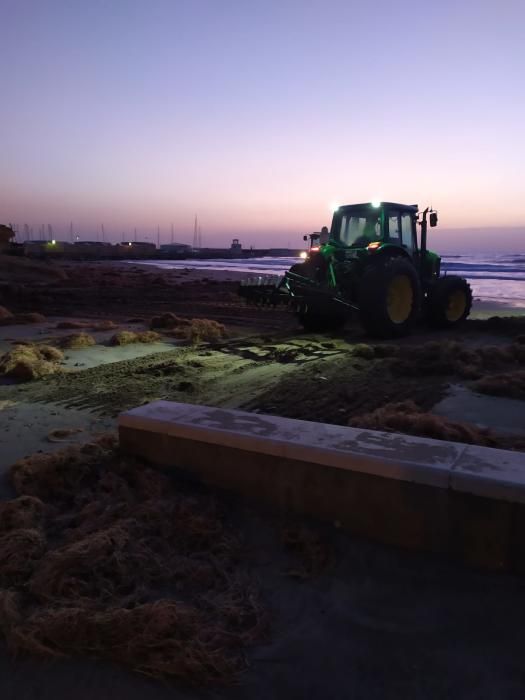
x=258, y=115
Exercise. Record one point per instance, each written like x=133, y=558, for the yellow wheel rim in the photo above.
x=400, y=298
x=457, y=303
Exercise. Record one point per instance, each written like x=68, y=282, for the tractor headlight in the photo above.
x=303, y=254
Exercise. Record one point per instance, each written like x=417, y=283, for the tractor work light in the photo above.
x=374, y=245
x=303, y=254
x=375, y=203
x=314, y=249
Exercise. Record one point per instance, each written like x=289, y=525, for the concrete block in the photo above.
x=383, y=454
x=413, y=492
x=484, y=471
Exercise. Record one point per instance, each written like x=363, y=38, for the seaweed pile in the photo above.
x=104, y=557
x=129, y=337
x=195, y=330
x=509, y=384
x=77, y=341
x=9, y=319
x=408, y=417
x=454, y=358
x=27, y=361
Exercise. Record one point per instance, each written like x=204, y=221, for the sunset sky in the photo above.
x=257, y=115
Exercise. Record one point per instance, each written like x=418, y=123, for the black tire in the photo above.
x=315, y=268
x=449, y=302
x=300, y=269
x=389, y=298
x=315, y=320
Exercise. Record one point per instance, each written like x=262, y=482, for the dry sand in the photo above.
x=375, y=623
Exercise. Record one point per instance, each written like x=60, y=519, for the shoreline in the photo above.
x=481, y=304
x=487, y=308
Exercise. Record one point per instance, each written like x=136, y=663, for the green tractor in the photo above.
x=370, y=263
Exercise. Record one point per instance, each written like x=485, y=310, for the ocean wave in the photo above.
x=485, y=267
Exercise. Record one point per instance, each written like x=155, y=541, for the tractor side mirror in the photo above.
x=305, y=238
x=433, y=218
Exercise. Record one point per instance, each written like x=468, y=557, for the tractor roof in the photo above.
x=412, y=208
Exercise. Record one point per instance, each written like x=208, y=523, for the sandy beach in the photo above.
x=263, y=361
x=367, y=607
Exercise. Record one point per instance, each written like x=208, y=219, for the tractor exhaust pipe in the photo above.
x=424, y=233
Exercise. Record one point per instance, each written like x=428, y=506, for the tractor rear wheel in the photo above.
x=450, y=301
x=389, y=298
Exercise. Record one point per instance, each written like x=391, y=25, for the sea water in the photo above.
x=499, y=278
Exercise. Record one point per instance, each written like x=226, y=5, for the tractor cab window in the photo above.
x=400, y=230
x=394, y=229
x=359, y=231
x=406, y=231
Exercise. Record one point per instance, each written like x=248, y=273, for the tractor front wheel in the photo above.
x=316, y=320
x=389, y=298
x=449, y=302
x=300, y=269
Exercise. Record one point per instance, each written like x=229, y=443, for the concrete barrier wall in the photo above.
x=463, y=501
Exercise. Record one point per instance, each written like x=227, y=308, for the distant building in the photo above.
x=279, y=252
x=236, y=247
x=6, y=236
x=92, y=243
x=43, y=249
x=175, y=248
x=139, y=245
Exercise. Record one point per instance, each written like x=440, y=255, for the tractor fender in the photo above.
x=383, y=255
x=389, y=250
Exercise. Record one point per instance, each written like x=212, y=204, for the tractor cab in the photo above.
x=317, y=238
x=313, y=239
x=375, y=225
